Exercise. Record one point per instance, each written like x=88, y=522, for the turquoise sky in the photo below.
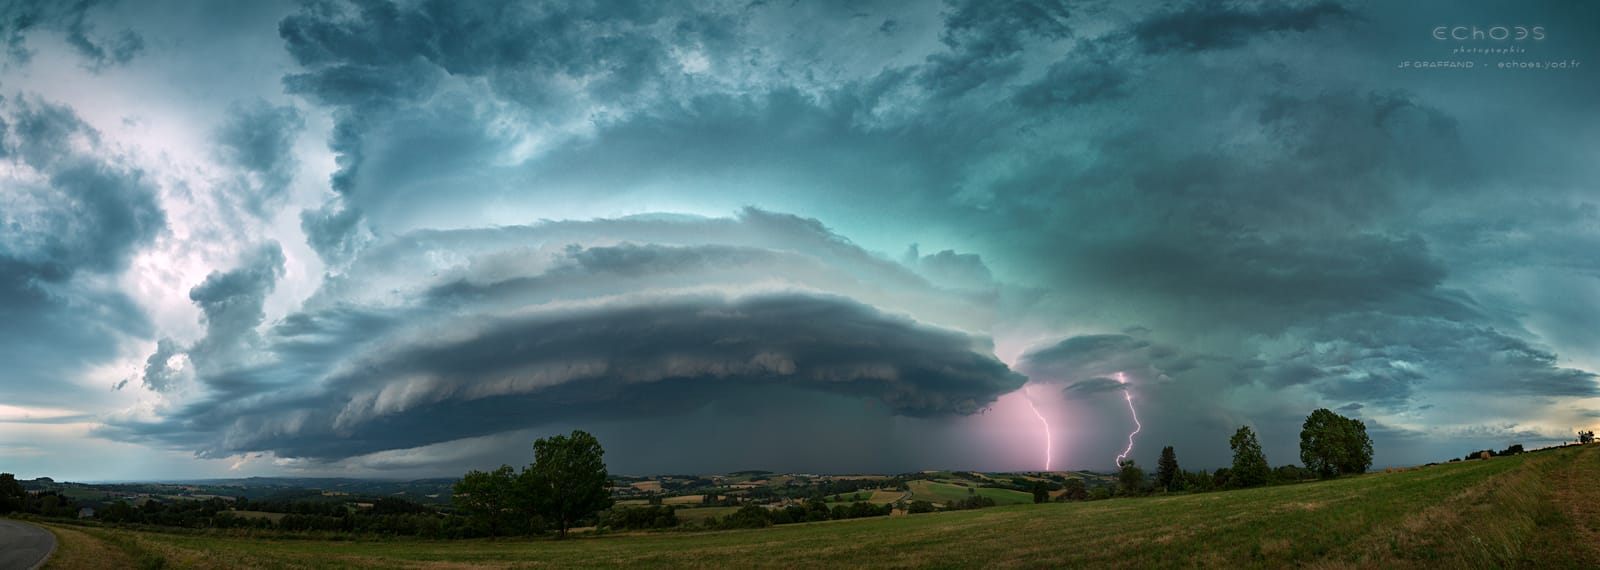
x=403, y=239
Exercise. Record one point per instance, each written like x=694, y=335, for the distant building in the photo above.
x=86, y=513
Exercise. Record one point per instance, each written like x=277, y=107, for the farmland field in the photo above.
x=945, y=492
x=698, y=513
x=1534, y=510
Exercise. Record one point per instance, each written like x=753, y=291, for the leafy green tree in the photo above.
x=1130, y=480
x=1221, y=478
x=119, y=512
x=1331, y=444
x=919, y=506
x=1250, y=467
x=568, y=480
x=492, y=500
x=624, y=518
x=748, y=516
x=1167, y=471
x=1290, y=473
x=1076, y=490
x=1041, y=492
x=12, y=496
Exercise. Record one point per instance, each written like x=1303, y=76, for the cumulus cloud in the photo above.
x=1212, y=24
x=1087, y=361
x=72, y=20
x=258, y=139
x=393, y=69
x=1383, y=359
x=73, y=212
x=159, y=373
x=231, y=305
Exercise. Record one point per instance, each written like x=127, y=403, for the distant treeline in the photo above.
x=15, y=499
x=386, y=516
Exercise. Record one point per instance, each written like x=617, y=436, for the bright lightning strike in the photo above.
x=1136, y=425
x=1047, y=443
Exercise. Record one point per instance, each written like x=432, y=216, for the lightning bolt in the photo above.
x=1047, y=443
x=1136, y=425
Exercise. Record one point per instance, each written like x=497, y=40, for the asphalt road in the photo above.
x=23, y=546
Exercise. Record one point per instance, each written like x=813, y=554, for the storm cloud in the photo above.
x=529, y=326
x=799, y=220
x=71, y=20
x=258, y=139
x=73, y=213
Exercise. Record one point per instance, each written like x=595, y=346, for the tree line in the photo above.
x=1330, y=445
x=15, y=499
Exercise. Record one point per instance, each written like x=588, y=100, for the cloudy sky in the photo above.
x=406, y=239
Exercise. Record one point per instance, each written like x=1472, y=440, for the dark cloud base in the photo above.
x=582, y=364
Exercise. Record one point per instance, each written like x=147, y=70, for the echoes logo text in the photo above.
x=1489, y=33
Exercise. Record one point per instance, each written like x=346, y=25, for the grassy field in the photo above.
x=698, y=513
x=1540, y=510
x=945, y=492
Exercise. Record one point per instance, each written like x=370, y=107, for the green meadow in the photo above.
x=937, y=492
x=1537, y=510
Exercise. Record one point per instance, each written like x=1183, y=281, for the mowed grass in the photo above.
x=884, y=496
x=1533, y=511
x=945, y=493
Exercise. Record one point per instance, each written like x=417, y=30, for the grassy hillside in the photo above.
x=1537, y=510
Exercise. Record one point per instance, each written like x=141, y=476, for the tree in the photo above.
x=1130, y=481
x=1249, y=463
x=492, y=499
x=1041, y=492
x=12, y=496
x=748, y=516
x=1221, y=478
x=1290, y=473
x=568, y=480
x=1586, y=436
x=1331, y=444
x=1167, y=468
x=1076, y=490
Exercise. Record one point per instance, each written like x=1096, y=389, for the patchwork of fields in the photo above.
x=1534, y=510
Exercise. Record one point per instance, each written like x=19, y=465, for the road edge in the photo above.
x=55, y=542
